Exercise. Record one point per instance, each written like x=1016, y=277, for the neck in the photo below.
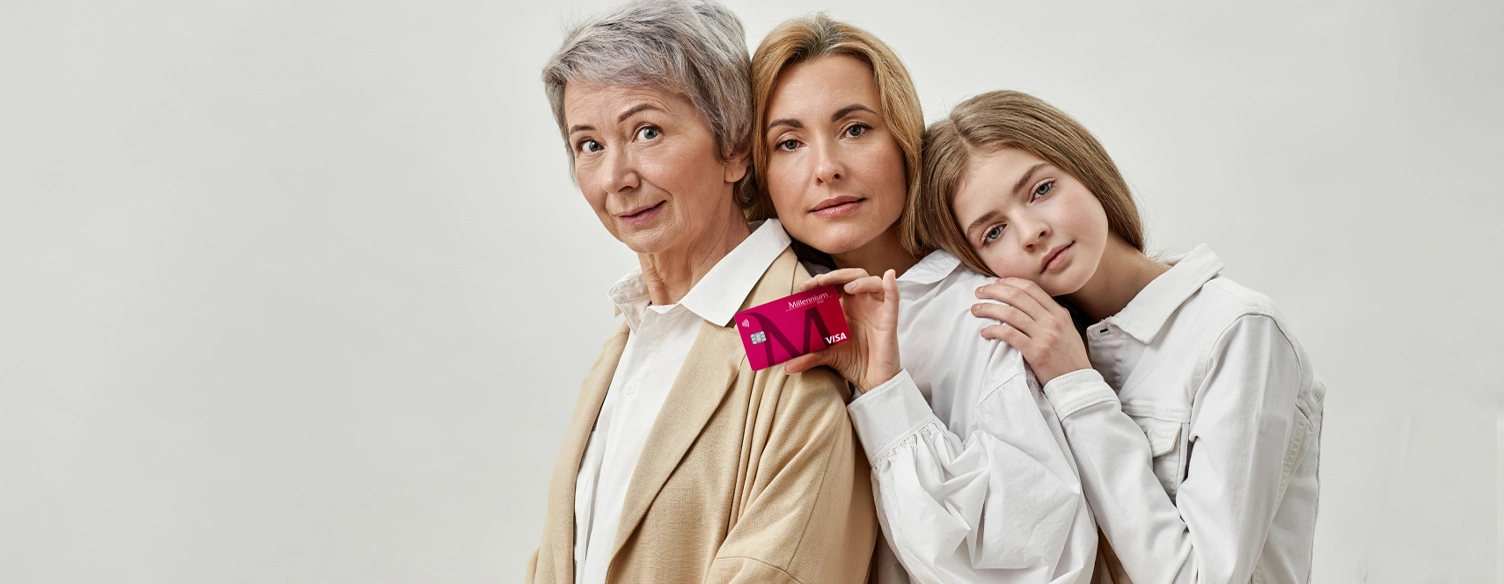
x=669, y=275
x=1122, y=273
x=881, y=254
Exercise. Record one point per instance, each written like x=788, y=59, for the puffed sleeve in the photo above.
x=808, y=516
x=998, y=505
x=1240, y=430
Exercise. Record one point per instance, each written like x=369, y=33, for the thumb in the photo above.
x=803, y=363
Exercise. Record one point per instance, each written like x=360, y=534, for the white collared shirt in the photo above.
x=973, y=478
x=1198, y=432
x=659, y=341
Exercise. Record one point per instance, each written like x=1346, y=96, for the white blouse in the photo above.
x=1198, y=433
x=970, y=468
x=659, y=341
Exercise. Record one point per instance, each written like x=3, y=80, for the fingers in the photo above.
x=1032, y=288
x=1006, y=334
x=1009, y=315
x=802, y=363
x=890, y=295
x=865, y=285
x=836, y=278
x=1008, y=292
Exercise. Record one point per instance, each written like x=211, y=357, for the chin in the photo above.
x=1061, y=289
x=837, y=241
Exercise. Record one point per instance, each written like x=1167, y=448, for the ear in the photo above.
x=737, y=168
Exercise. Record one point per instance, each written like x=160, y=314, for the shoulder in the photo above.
x=1233, y=317
x=937, y=332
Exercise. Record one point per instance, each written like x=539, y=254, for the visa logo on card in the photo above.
x=791, y=326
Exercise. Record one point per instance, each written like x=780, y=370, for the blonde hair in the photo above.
x=805, y=39
x=1004, y=119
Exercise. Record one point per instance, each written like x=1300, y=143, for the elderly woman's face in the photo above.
x=648, y=165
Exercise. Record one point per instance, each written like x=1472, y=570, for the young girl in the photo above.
x=971, y=473
x=1194, y=416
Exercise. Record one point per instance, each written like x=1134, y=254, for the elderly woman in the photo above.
x=681, y=464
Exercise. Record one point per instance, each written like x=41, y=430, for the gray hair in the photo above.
x=695, y=48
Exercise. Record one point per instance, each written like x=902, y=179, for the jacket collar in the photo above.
x=1148, y=312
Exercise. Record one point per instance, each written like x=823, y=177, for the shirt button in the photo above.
x=631, y=388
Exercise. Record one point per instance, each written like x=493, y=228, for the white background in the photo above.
x=301, y=291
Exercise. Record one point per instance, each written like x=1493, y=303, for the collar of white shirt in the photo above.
x=1147, y=313
x=932, y=268
x=720, y=292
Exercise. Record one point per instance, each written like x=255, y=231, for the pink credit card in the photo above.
x=791, y=326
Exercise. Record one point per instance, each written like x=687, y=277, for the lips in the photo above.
x=640, y=214
x=836, y=206
x=1055, y=257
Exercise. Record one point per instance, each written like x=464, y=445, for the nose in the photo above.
x=1032, y=230
x=828, y=165
x=621, y=172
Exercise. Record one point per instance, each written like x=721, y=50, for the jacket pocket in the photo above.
x=1167, y=434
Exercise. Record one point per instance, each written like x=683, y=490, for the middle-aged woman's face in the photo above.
x=648, y=165
x=835, y=171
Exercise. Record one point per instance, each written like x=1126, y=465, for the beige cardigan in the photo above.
x=745, y=477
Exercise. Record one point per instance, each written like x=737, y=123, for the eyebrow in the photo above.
x=635, y=109
x=840, y=113
x=855, y=107
x=621, y=118
x=1024, y=180
x=790, y=122
x=983, y=220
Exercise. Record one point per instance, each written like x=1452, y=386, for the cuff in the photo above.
x=1078, y=390
x=889, y=413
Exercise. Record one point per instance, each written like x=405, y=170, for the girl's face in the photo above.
x=835, y=171
x=1028, y=219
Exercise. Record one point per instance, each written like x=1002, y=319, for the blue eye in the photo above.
x=591, y=146
x=648, y=133
x=856, y=130
x=788, y=145
x=1043, y=189
x=992, y=234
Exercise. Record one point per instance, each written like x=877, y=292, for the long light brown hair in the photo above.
x=811, y=37
x=1003, y=119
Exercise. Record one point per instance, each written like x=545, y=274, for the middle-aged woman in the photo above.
x=971, y=471
x=681, y=464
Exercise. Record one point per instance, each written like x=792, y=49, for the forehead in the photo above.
x=825, y=83
x=599, y=104
x=989, y=180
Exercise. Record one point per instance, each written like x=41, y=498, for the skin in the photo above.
x=648, y=166
x=835, y=170
x=836, y=177
x=1045, y=235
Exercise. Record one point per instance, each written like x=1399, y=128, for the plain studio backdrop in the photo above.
x=302, y=291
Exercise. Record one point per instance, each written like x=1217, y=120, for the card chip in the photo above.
x=759, y=337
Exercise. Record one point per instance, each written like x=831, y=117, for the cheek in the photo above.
x=1004, y=262
x=784, y=185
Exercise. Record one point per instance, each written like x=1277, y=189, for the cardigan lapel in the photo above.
x=708, y=373
x=560, y=515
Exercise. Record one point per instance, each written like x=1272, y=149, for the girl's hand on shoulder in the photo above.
x=1034, y=324
x=870, y=358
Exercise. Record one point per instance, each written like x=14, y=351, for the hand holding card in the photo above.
x=870, y=304
x=791, y=326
